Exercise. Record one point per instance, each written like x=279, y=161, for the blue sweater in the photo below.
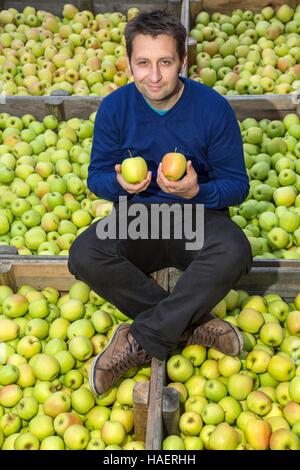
x=202, y=126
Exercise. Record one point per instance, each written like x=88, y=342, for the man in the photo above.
x=152, y=116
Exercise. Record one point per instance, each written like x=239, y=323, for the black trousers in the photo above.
x=119, y=270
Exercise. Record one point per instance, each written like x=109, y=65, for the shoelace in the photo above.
x=126, y=359
x=211, y=334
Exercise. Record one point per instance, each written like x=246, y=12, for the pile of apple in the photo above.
x=250, y=402
x=45, y=203
x=270, y=216
x=47, y=343
x=81, y=53
x=44, y=200
x=247, y=53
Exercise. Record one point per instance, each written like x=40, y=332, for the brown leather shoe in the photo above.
x=121, y=354
x=212, y=332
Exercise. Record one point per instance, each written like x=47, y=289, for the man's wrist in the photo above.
x=194, y=193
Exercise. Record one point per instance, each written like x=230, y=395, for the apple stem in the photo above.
x=130, y=153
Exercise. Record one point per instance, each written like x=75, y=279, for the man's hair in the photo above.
x=154, y=23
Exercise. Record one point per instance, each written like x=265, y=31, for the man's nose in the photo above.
x=155, y=73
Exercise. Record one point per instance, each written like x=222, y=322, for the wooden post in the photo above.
x=7, y=276
x=140, y=410
x=55, y=105
x=154, y=435
x=171, y=411
x=192, y=51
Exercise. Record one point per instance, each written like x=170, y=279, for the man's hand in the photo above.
x=187, y=187
x=132, y=188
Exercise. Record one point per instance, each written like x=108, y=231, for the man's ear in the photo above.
x=184, y=63
x=128, y=63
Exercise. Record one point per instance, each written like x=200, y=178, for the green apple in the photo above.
x=173, y=442
x=190, y=423
x=257, y=361
x=81, y=348
x=271, y=334
x=9, y=329
x=15, y=305
x=82, y=400
x=231, y=408
x=10, y=395
x=284, y=439
x=224, y=437
x=212, y=413
x=113, y=432
x=259, y=403
x=134, y=170
x=76, y=437
x=45, y=367
x=214, y=390
x=26, y=441
x=281, y=367
x=250, y=320
x=9, y=374
x=239, y=386
x=58, y=402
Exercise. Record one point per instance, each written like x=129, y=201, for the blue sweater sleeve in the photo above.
x=229, y=183
x=106, y=152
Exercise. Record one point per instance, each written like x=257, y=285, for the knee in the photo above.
x=77, y=258
x=239, y=249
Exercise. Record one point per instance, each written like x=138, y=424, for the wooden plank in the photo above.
x=227, y=6
x=263, y=106
x=262, y=280
x=40, y=106
x=171, y=411
x=102, y=6
x=140, y=410
x=37, y=271
x=154, y=435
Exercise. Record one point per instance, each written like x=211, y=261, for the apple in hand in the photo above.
x=134, y=169
x=173, y=165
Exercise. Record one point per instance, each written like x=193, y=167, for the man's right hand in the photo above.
x=132, y=188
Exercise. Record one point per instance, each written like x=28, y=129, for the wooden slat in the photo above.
x=140, y=410
x=154, y=434
x=227, y=6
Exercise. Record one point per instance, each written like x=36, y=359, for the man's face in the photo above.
x=155, y=66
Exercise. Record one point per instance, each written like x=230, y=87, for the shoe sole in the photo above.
x=238, y=334
x=240, y=339
x=93, y=366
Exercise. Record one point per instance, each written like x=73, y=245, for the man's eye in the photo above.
x=166, y=62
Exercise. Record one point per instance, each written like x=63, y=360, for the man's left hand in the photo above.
x=187, y=187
